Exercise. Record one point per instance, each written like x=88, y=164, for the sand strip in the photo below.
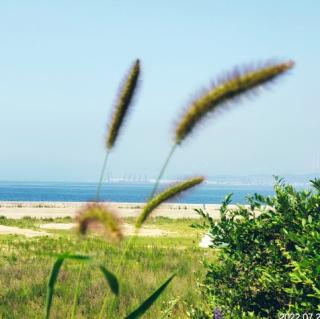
x=126, y=228
x=18, y=210
x=10, y=230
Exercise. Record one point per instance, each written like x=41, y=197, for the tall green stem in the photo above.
x=132, y=238
x=155, y=187
x=76, y=293
x=118, y=269
x=104, y=165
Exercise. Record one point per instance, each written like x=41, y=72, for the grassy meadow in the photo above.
x=26, y=263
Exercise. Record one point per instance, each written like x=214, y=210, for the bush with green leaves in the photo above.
x=269, y=255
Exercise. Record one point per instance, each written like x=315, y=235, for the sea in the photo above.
x=123, y=192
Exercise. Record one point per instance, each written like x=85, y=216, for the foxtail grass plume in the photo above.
x=232, y=87
x=99, y=218
x=123, y=104
x=169, y=193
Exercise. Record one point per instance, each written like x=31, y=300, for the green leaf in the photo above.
x=149, y=301
x=316, y=184
x=52, y=281
x=75, y=257
x=54, y=276
x=111, y=279
x=68, y=256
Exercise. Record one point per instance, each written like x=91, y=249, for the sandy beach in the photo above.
x=18, y=210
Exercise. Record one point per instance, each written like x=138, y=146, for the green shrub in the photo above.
x=269, y=259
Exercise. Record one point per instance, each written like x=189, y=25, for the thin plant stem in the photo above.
x=132, y=238
x=76, y=293
x=102, y=175
x=77, y=289
x=119, y=267
x=156, y=184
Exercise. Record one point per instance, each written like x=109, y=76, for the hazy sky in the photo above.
x=61, y=63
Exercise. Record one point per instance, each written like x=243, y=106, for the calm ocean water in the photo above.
x=120, y=192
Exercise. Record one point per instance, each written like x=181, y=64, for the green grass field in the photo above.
x=26, y=263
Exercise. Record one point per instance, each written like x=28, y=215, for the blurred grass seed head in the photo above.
x=229, y=88
x=100, y=219
x=123, y=103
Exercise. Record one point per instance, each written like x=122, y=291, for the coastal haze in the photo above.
x=61, y=69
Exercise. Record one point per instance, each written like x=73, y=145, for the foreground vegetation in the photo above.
x=26, y=263
x=268, y=261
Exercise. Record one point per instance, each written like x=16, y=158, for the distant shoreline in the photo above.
x=36, y=209
x=131, y=193
x=241, y=181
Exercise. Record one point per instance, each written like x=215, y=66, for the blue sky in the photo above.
x=61, y=63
